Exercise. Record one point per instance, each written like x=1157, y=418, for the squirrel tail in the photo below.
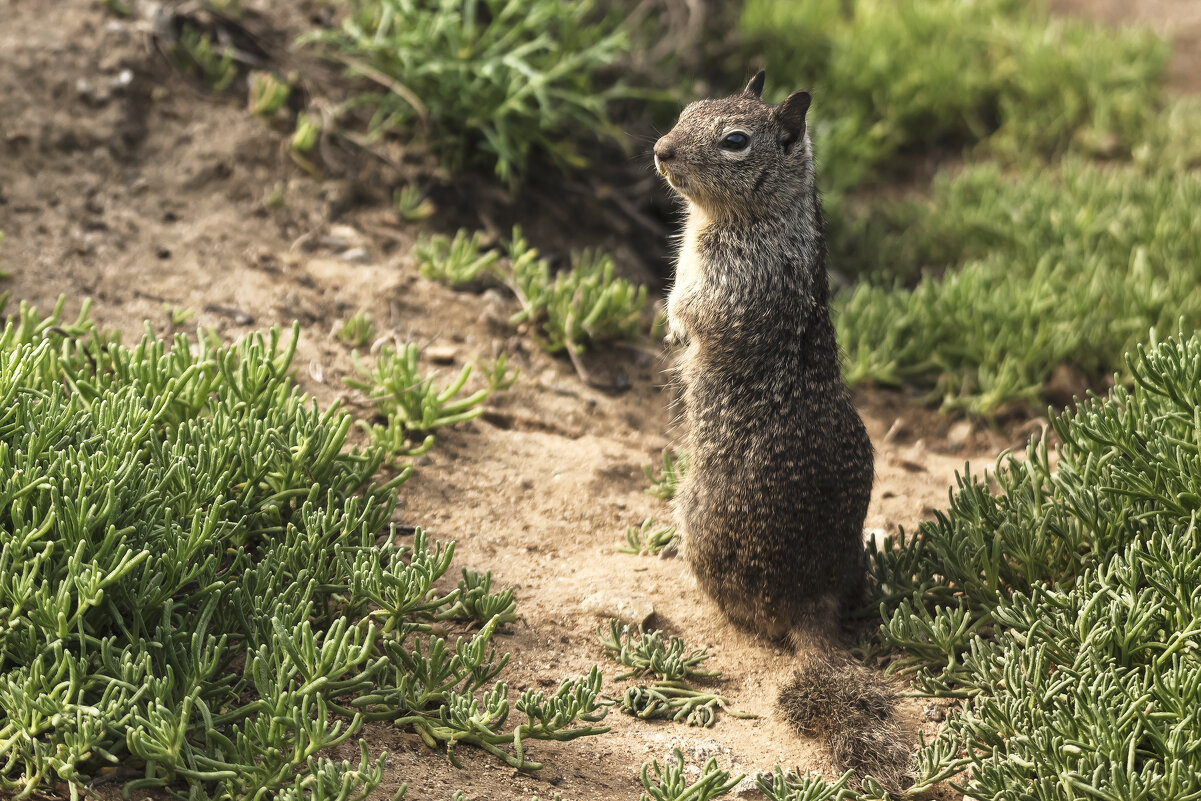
x=848, y=707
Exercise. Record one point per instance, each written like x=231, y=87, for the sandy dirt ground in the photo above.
x=123, y=182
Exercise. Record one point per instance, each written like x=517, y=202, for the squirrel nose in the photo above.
x=665, y=149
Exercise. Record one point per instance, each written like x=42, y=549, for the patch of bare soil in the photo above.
x=122, y=182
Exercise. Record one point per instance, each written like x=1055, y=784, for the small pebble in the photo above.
x=441, y=354
x=747, y=788
x=498, y=306
x=342, y=233
x=960, y=433
x=356, y=256
x=709, y=748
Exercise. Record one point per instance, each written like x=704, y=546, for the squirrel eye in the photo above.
x=735, y=140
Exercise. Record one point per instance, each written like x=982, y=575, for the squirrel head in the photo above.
x=739, y=156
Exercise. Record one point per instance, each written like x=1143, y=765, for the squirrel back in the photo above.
x=781, y=467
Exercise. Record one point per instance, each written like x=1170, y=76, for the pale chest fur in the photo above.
x=690, y=276
x=686, y=292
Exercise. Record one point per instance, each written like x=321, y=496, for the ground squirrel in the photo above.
x=772, y=507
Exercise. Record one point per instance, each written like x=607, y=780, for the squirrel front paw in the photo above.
x=674, y=547
x=675, y=339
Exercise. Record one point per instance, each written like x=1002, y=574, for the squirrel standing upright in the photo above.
x=772, y=506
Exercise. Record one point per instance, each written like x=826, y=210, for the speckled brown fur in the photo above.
x=772, y=507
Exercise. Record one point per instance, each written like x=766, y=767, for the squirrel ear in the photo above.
x=791, y=116
x=755, y=87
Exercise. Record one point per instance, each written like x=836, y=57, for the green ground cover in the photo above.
x=1019, y=274
x=1065, y=609
x=199, y=585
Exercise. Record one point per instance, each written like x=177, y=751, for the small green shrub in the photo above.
x=267, y=94
x=356, y=330
x=326, y=780
x=492, y=81
x=177, y=315
x=665, y=484
x=197, y=53
x=477, y=602
x=669, y=783
x=1063, y=609
x=1020, y=274
x=650, y=652
x=1073, y=210
x=304, y=139
x=1172, y=142
x=409, y=402
x=649, y=539
x=455, y=262
x=498, y=374
x=564, y=310
x=669, y=695
x=793, y=786
x=582, y=304
x=411, y=204
x=890, y=76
